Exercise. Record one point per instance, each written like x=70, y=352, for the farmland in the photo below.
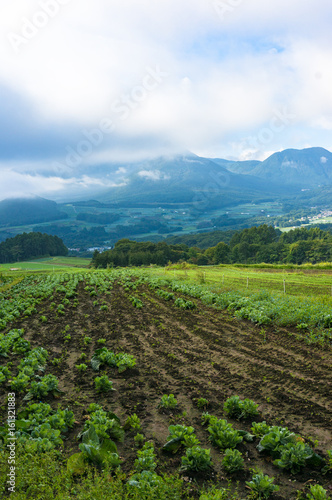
x=47, y=264
x=301, y=280
x=203, y=338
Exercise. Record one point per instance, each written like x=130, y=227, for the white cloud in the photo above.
x=323, y=159
x=226, y=77
x=121, y=170
x=13, y=184
x=290, y=164
x=153, y=175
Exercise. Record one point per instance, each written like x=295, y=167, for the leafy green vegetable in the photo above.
x=48, y=383
x=317, y=492
x=98, y=452
x=103, y=384
x=223, y=435
x=176, y=438
x=13, y=341
x=259, y=429
x=104, y=356
x=165, y=295
x=168, y=401
x=183, y=304
x=145, y=481
x=20, y=383
x=275, y=440
x=106, y=424
x=132, y=422
x=235, y=407
x=190, y=440
x=232, y=461
x=328, y=466
x=35, y=361
x=294, y=456
x=197, y=459
x=146, y=458
x=136, y=302
x=202, y=403
x=5, y=374
x=82, y=367
x=206, y=418
x=261, y=486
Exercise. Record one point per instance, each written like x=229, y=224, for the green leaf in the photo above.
x=315, y=460
x=22, y=425
x=91, y=436
x=247, y=436
x=76, y=464
x=108, y=446
x=95, y=363
x=173, y=445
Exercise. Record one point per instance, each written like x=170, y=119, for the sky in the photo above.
x=87, y=83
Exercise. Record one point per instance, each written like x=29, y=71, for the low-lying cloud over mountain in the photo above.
x=180, y=178
x=95, y=83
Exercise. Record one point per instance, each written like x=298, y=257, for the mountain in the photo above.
x=20, y=211
x=186, y=179
x=311, y=167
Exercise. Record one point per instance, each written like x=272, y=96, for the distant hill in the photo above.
x=31, y=245
x=309, y=167
x=187, y=179
x=20, y=211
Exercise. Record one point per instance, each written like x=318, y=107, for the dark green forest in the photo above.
x=255, y=245
x=31, y=245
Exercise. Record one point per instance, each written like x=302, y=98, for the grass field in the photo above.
x=303, y=281
x=47, y=264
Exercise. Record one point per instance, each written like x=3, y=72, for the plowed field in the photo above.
x=191, y=354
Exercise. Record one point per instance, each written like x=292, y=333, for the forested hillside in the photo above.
x=31, y=245
x=250, y=246
x=19, y=211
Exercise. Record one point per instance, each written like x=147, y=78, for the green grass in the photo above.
x=256, y=279
x=47, y=264
x=45, y=477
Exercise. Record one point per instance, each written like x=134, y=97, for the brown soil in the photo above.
x=192, y=354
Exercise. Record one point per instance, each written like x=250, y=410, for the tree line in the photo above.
x=254, y=245
x=31, y=245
